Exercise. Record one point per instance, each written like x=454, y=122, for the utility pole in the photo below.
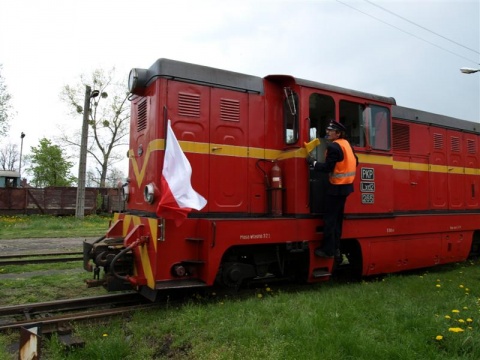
x=22, y=135
x=82, y=167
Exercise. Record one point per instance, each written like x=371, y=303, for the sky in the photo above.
x=411, y=50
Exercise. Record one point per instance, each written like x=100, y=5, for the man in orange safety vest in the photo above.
x=340, y=163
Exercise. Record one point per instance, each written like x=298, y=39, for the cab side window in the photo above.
x=379, y=127
x=353, y=117
x=290, y=116
x=321, y=111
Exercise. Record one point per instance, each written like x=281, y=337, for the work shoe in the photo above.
x=320, y=253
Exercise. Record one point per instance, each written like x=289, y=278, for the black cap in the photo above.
x=334, y=125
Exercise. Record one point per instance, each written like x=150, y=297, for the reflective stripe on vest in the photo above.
x=344, y=171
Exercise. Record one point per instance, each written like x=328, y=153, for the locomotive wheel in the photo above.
x=233, y=274
x=475, y=248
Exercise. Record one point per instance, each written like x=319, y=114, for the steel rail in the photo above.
x=70, y=304
x=51, y=324
x=39, y=261
x=39, y=258
x=23, y=255
x=43, y=313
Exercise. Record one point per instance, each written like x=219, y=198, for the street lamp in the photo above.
x=22, y=135
x=467, y=70
x=80, y=204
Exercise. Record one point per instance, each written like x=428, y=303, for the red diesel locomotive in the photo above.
x=416, y=199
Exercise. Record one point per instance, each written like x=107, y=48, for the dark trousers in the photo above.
x=333, y=221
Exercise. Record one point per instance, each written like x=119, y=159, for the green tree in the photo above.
x=109, y=119
x=49, y=166
x=5, y=107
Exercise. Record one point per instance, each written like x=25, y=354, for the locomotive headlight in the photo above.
x=132, y=80
x=125, y=189
x=125, y=192
x=137, y=80
x=148, y=193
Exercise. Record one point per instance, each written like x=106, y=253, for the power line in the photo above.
x=406, y=32
x=422, y=27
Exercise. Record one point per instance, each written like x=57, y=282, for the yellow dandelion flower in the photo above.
x=268, y=289
x=455, y=311
x=105, y=335
x=447, y=317
x=469, y=320
x=461, y=286
x=461, y=321
x=438, y=285
x=465, y=308
x=439, y=337
x=259, y=296
x=467, y=289
x=438, y=280
x=456, y=329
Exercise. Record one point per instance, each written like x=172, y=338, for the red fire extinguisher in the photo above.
x=276, y=190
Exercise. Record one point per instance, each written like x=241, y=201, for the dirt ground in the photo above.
x=40, y=245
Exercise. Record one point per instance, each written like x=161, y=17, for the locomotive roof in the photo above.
x=205, y=75
x=338, y=89
x=420, y=116
x=242, y=82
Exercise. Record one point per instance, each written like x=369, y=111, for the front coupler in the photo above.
x=101, y=252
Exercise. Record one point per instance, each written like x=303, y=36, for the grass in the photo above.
x=429, y=314
x=432, y=314
x=34, y=226
x=44, y=282
x=51, y=281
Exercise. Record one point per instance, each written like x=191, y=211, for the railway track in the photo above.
x=55, y=315
x=39, y=258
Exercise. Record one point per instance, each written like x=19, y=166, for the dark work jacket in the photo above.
x=334, y=154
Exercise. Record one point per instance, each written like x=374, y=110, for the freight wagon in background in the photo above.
x=58, y=200
x=416, y=199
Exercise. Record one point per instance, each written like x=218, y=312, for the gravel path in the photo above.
x=26, y=275
x=40, y=245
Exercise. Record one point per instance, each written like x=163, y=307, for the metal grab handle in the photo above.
x=214, y=234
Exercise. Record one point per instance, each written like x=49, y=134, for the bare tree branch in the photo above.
x=9, y=156
x=108, y=122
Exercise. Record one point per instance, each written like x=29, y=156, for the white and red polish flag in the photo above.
x=178, y=197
